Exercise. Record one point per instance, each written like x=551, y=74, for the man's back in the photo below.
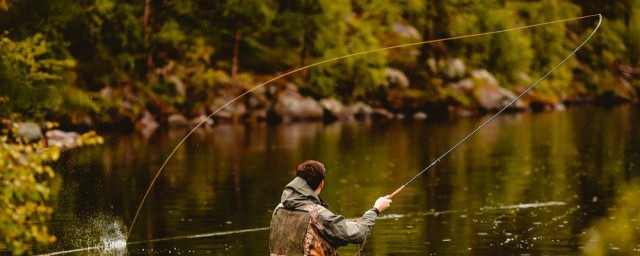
x=301, y=223
x=293, y=232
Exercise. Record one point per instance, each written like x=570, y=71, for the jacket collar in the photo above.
x=298, y=193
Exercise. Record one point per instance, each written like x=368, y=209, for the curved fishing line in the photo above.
x=153, y=181
x=503, y=109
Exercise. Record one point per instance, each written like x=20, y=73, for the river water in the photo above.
x=528, y=183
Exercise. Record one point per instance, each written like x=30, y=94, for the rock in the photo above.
x=361, y=110
x=61, y=139
x=335, y=109
x=454, y=68
x=180, y=87
x=494, y=98
x=559, y=107
x=29, y=131
x=463, y=85
x=382, y=113
x=489, y=95
x=177, y=121
x=291, y=105
x=483, y=77
x=397, y=77
x=405, y=30
x=202, y=118
x=420, y=116
x=147, y=124
x=232, y=111
x=106, y=93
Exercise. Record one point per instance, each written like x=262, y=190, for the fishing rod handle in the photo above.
x=396, y=192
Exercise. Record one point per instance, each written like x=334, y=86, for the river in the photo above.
x=528, y=183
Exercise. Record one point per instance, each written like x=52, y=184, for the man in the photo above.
x=302, y=225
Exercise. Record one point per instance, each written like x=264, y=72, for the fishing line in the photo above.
x=501, y=110
x=495, y=115
x=153, y=181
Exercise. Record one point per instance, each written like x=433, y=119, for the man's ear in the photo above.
x=321, y=184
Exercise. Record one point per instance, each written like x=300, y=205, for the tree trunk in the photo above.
x=145, y=29
x=436, y=24
x=145, y=18
x=236, y=46
x=305, y=59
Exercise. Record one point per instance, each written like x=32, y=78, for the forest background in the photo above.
x=121, y=64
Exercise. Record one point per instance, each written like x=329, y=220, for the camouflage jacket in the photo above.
x=319, y=223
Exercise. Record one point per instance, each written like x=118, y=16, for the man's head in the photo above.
x=313, y=172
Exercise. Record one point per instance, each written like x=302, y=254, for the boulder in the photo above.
x=382, y=113
x=61, y=139
x=420, y=116
x=406, y=31
x=559, y=107
x=397, y=78
x=291, y=105
x=454, y=68
x=361, y=110
x=177, y=121
x=29, y=131
x=483, y=77
x=494, y=98
x=177, y=82
x=333, y=108
x=489, y=95
x=232, y=111
x=106, y=93
x=464, y=85
x=146, y=124
x=208, y=122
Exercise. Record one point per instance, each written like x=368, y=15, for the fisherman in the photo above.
x=302, y=225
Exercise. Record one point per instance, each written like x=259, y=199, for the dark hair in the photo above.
x=311, y=171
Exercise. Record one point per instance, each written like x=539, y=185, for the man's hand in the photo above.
x=382, y=203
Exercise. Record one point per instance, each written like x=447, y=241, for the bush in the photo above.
x=25, y=177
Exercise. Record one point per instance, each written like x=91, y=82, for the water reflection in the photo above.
x=230, y=177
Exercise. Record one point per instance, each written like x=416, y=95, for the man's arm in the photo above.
x=340, y=231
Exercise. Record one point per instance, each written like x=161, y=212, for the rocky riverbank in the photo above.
x=460, y=93
x=33, y=132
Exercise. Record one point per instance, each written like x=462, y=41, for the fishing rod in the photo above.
x=500, y=111
x=175, y=149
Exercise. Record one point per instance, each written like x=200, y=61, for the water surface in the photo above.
x=525, y=184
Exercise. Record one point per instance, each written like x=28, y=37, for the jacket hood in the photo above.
x=298, y=193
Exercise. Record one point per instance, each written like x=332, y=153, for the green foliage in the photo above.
x=25, y=176
x=548, y=50
x=341, y=31
x=160, y=54
x=31, y=76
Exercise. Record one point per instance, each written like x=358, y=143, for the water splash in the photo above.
x=113, y=240
x=98, y=235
